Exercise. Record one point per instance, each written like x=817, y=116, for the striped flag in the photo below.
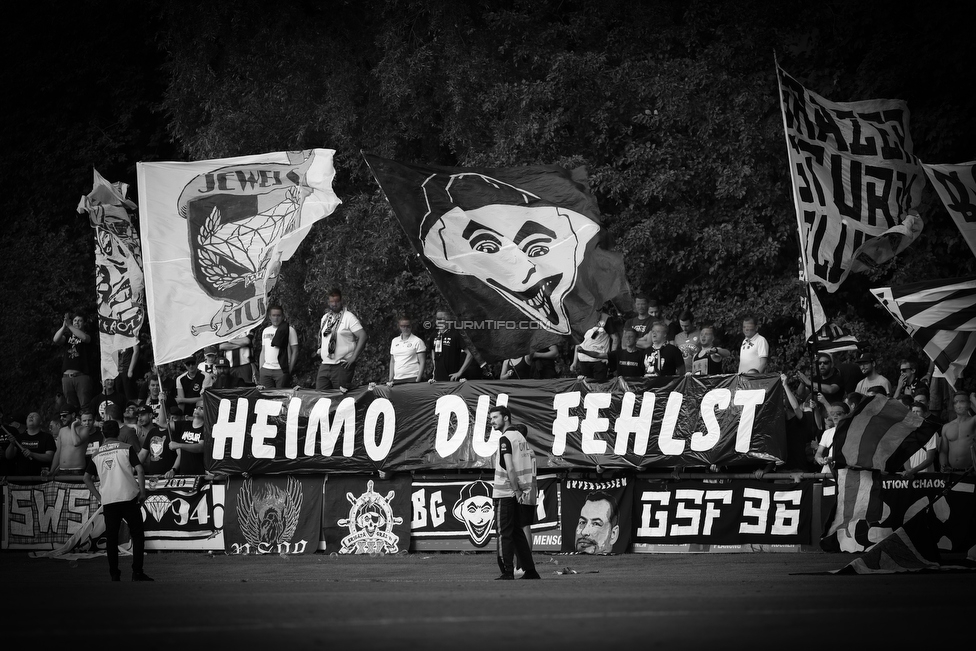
x=833, y=338
x=880, y=434
x=940, y=315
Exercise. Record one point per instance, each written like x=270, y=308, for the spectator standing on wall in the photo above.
x=76, y=383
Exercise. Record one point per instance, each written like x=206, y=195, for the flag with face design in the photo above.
x=517, y=253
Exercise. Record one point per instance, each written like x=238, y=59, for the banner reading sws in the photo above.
x=731, y=420
x=214, y=235
x=516, y=252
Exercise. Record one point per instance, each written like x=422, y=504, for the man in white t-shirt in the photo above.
x=871, y=376
x=754, y=351
x=342, y=340
x=408, y=356
x=279, y=350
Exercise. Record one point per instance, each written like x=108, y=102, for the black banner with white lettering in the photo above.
x=463, y=511
x=728, y=420
x=726, y=513
x=273, y=515
x=366, y=515
x=596, y=516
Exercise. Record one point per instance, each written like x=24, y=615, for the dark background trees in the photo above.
x=670, y=105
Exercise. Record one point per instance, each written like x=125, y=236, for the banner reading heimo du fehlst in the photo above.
x=729, y=420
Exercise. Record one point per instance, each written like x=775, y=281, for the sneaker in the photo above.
x=506, y=577
x=531, y=575
x=141, y=576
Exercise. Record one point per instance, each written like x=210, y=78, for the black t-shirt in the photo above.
x=627, y=364
x=664, y=361
x=40, y=443
x=448, y=351
x=703, y=364
x=640, y=326
x=76, y=354
x=192, y=388
x=191, y=463
x=160, y=459
x=799, y=434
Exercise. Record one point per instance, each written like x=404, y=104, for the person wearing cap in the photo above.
x=189, y=387
x=871, y=376
x=222, y=378
x=209, y=364
x=160, y=459
x=187, y=437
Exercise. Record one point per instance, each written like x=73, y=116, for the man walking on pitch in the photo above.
x=120, y=494
x=513, y=490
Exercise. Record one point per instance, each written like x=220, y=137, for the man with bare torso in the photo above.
x=958, y=436
x=72, y=443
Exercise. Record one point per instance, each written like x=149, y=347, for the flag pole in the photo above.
x=814, y=371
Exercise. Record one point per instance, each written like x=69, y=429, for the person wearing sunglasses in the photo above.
x=826, y=380
x=909, y=383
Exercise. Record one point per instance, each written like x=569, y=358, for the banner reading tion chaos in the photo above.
x=655, y=422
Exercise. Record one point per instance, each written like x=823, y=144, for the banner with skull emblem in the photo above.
x=118, y=269
x=214, y=235
x=366, y=515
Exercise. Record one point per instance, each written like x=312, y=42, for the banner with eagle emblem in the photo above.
x=273, y=515
x=214, y=235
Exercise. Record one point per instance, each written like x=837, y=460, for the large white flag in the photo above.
x=956, y=186
x=118, y=270
x=214, y=235
x=856, y=181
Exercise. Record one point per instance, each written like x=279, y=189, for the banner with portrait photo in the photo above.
x=518, y=253
x=366, y=515
x=597, y=516
x=856, y=181
x=118, y=270
x=273, y=515
x=214, y=236
x=459, y=514
x=723, y=513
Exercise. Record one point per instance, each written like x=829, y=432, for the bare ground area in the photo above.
x=451, y=601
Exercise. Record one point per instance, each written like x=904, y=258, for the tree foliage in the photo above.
x=671, y=106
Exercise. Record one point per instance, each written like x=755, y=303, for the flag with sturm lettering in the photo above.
x=517, y=253
x=940, y=315
x=856, y=181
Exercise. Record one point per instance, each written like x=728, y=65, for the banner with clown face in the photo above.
x=214, y=235
x=516, y=253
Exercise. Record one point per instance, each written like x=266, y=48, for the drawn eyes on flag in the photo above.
x=485, y=243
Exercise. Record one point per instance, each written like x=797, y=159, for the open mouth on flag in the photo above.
x=537, y=298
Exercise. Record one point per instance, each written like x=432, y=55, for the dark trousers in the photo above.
x=510, y=536
x=114, y=515
x=596, y=371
